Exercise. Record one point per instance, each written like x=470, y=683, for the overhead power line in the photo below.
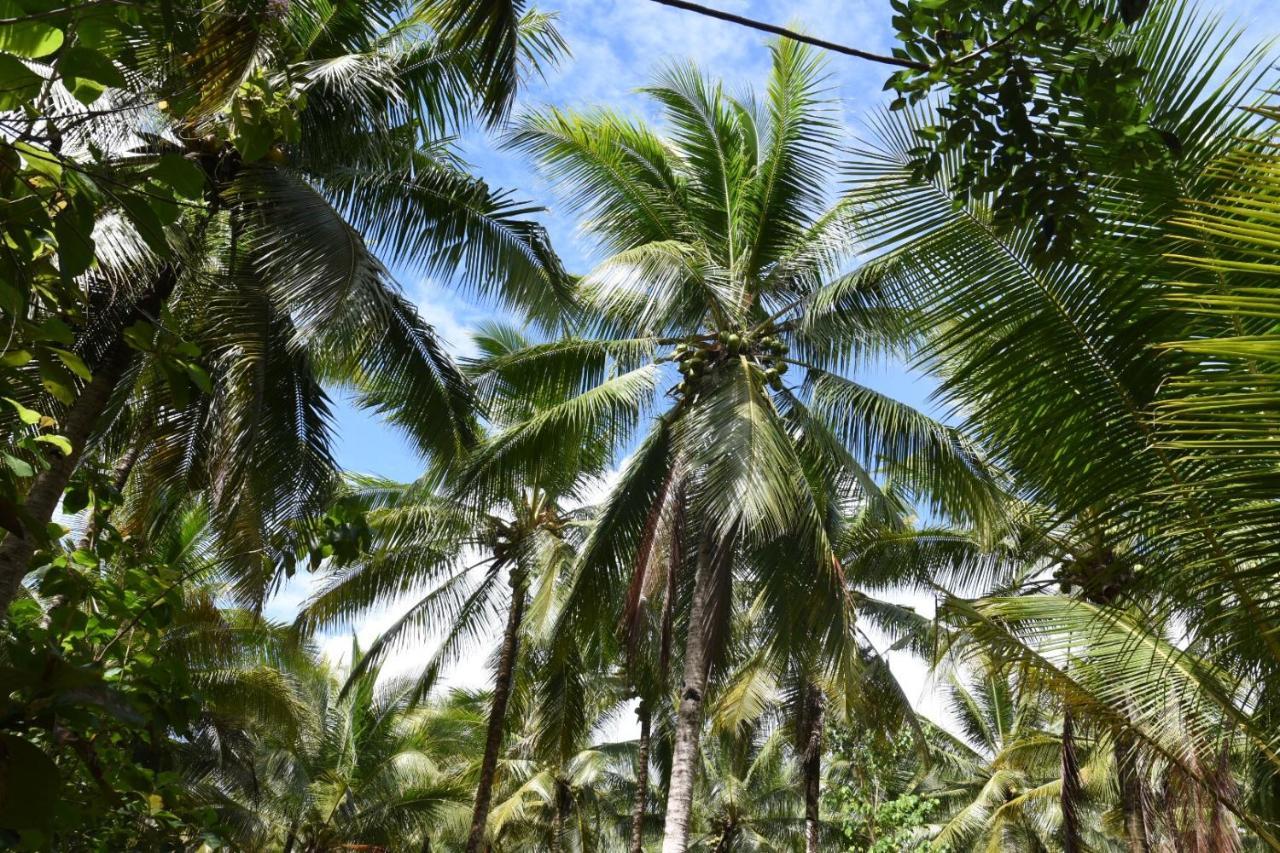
x=792, y=34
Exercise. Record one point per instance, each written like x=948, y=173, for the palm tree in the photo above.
x=999, y=784
x=367, y=767
x=748, y=794
x=723, y=263
x=431, y=534
x=1081, y=422
x=425, y=538
x=564, y=789
x=267, y=267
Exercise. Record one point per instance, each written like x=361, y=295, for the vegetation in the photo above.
x=661, y=503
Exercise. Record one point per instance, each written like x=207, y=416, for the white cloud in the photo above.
x=452, y=315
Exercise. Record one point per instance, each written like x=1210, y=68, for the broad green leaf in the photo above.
x=18, y=83
x=84, y=91
x=54, y=329
x=40, y=161
x=178, y=383
x=253, y=141
x=18, y=466
x=184, y=177
x=73, y=229
x=57, y=441
x=141, y=336
x=88, y=64
x=59, y=382
x=74, y=363
x=32, y=38
x=147, y=221
x=30, y=789
x=200, y=377
x=15, y=358
x=27, y=416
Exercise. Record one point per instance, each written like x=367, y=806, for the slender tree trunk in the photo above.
x=1071, y=788
x=498, y=713
x=290, y=840
x=813, y=768
x=47, y=487
x=561, y=815
x=642, y=779
x=1132, y=799
x=675, y=834
x=77, y=427
x=119, y=479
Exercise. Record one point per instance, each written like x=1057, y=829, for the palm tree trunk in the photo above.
x=77, y=427
x=119, y=479
x=1132, y=799
x=498, y=712
x=642, y=779
x=813, y=769
x=1072, y=791
x=561, y=815
x=675, y=837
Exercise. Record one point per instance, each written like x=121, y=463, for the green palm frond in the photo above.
x=1217, y=412
x=433, y=217
x=502, y=39
x=542, y=446
x=1117, y=669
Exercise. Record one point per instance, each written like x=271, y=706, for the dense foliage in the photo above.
x=665, y=507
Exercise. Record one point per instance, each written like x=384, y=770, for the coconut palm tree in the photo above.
x=477, y=553
x=1102, y=428
x=999, y=782
x=749, y=795
x=724, y=263
x=291, y=136
x=564, y=787
x=367, y=767
x=422, y=538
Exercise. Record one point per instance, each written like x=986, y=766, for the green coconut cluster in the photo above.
x=701, y=357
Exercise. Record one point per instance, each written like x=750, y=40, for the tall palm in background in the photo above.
x=724, y=261
x=999, y=784
x=786, y=684
x=479, y=554
x=748, y=794
x=298, y=132
x=566, y=787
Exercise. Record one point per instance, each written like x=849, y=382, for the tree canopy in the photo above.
x=657, y=513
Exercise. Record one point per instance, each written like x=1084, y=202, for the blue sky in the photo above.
x=616, y=45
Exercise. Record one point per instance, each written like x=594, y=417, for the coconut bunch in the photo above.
x=700, y=357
